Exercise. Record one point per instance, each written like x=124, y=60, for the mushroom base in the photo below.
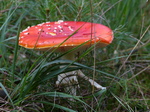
x=70, y=79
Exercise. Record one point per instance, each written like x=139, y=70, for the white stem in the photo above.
x=68, y=79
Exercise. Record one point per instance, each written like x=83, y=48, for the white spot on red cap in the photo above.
x=20, y=41
x=97, y=38
x=60, y=31
x=26, y=33
x=40, y=43
x=65, y=23
x=21, y=37
x=25, y=30
x=40, y=24
x=59, y=26
x=59, y=21
x=46, y=42
x=55, y=30
x=70, y=28
x=48, y=25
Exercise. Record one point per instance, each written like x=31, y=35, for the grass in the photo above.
x=28, y=77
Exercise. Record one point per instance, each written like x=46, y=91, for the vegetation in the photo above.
x=28, y=76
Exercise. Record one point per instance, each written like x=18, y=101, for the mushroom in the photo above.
x=65, y=35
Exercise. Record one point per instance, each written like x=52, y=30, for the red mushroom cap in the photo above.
x=52, y=34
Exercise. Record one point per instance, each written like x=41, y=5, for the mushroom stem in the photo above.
x=68, y=79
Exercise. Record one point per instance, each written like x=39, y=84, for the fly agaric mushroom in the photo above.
x=65, y=35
